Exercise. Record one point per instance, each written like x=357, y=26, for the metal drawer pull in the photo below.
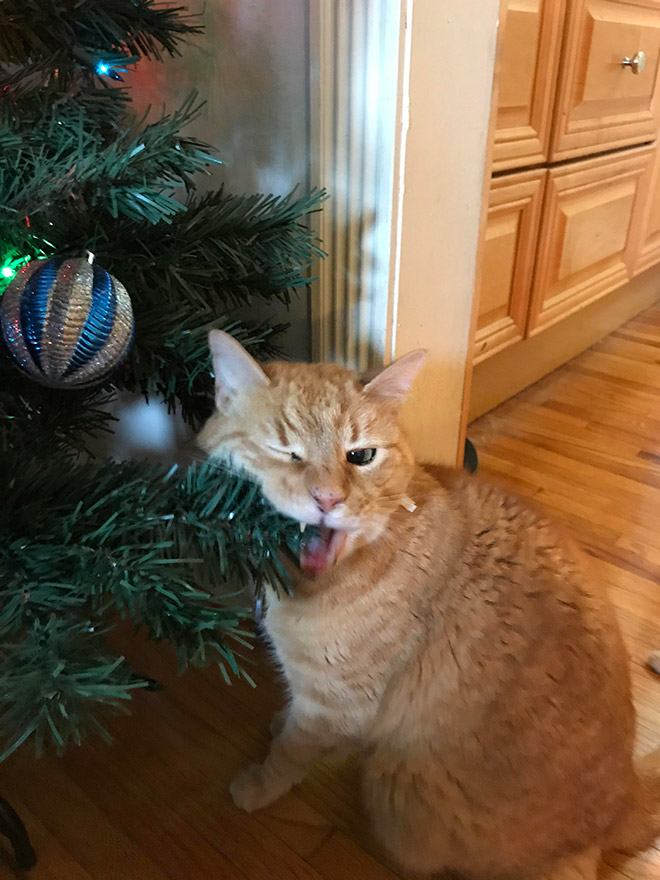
x=637, y=63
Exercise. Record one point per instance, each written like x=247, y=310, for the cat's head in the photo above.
x=325, y=445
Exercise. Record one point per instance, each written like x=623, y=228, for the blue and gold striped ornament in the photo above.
x=66, y=322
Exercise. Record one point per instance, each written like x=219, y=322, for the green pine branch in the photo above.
x=86, y=545
x=58, y=161
x=32, y=29
x=54, y=678
x=35, y=420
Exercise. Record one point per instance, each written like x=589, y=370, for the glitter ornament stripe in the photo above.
x=99, y=323
x=34, y=306
x=66, y=322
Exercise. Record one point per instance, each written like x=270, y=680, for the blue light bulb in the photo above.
x=102, y=68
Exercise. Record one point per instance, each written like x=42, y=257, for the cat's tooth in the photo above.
x=408, y=503
x=303, y=526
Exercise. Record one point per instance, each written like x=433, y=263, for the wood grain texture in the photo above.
x=585, y=443
x=530, y=57
x=588, y=241
x=509, y=250
x=600, y=104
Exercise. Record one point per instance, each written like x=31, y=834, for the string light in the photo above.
x=103, y=69
x=9, y=267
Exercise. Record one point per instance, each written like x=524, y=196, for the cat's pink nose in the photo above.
x=327, y=499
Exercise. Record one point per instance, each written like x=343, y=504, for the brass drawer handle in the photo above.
x=637, y=63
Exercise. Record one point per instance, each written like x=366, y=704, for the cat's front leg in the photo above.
x=292, y=752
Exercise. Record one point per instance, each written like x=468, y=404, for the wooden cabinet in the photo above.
x=508, y=260
x=528, y=71
x=588, y=242
x=580, y=217
x=601, y=104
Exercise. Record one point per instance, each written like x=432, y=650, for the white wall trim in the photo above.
x=354, y=59
x=400, y=135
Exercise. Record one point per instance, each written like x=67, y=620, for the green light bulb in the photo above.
x=7, y=272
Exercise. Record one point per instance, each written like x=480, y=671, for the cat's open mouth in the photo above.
x=321, y=550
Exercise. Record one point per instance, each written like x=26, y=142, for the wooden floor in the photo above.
x=585, y=443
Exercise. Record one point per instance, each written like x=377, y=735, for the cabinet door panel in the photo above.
x=588, y=241
x=649, y=221
x=508, y=260
x=602, y=104
x=528, y=69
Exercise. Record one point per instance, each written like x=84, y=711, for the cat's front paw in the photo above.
x=252, y=790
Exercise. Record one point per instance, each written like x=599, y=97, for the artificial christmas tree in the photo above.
x=83, y=542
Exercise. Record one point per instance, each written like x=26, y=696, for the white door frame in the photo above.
x=400, y=108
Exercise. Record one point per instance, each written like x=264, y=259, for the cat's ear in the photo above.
x=235, y=371
x=395, y=381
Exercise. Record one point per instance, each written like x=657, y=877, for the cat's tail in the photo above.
x=641, y=826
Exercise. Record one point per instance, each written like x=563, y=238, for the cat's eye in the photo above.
x=360, y=456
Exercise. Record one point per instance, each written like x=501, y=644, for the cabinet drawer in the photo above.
x=587, y=241
x=530, y=57
x=600, y=103
x=512, y=229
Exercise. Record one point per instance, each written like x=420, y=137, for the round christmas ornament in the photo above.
x=66, y=322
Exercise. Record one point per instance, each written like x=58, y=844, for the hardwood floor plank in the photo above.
x=340, y=859
x=72, y=816
x=632, y=347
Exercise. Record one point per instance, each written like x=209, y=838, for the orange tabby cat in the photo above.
x=441, y=626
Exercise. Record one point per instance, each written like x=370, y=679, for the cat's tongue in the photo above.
x=321, y=550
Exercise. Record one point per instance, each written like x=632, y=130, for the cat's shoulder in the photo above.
x=476, y=490
x=486, y=513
